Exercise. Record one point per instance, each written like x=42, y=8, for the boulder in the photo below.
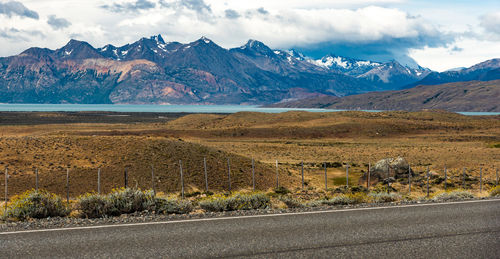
x=395, y=168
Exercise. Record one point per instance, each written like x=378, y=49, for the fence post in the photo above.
x=253, y=174
x=182, y=179
x=99, y=180
x=229, y=174
x=277, y=176
x=125, y=177
x=409, y=178
x=368, y=178
x=153, y=180
x=67, y=185
x=302, y=165
x=36, y=179
x=428, y=181
x=480, y=179
x=206, y=175
x=445, y=178
x=326, y=179
x=6, y=188
x=347, y=175
x=463, y=184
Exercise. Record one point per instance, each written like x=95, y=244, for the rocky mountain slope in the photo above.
x=484, y=71
x=201, y=72
x=462, y=96
x=388, y=75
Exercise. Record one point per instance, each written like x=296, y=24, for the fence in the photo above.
x=449, y=179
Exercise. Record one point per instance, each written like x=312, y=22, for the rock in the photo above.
x=433, y=175
x=389, y=180
x=387, y=168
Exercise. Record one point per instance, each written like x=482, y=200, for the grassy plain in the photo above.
x=53, y=142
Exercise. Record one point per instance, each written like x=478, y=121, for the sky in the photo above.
x=438, y=34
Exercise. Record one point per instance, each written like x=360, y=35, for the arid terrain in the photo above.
x=83, y=142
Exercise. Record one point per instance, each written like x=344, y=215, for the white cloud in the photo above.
x=370, y=24
x=491, y=24
x=465, y=53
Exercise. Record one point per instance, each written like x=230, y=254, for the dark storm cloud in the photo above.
x=130, y=7
x=58, y=23
x=231, y=14
x=382, y=50
x=16, y=8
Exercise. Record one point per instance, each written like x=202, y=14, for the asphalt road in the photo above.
x=457, y=230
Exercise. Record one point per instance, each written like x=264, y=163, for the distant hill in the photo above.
x=462, y=96
x=484, y=71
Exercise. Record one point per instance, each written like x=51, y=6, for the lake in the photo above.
x=169, y=108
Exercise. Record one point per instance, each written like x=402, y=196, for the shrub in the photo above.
x=169, y=206
x=237, y=201
x=454, y=195
x=495, y=191
x=291, y=202
x=192, y=194
x=93, y=205
x=342, y=199
x=359, y=197
x=36, y=204
x=315, y=203
x=384, y=197
x=128, y=200
x=214, y=203
x=119, y=201
x=281, y=190
x=346, y=199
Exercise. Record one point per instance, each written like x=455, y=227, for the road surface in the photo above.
x=453, y=230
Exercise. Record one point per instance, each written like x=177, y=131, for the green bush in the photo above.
x=495, y=191
x=119, y=201
x=172, y=206
x=128, y=200
x=36, y=204
x=338, y=200
x=346, y=199
x=238, y=201
x=384, y=197
x=93, y=205
x=291, y=202
x=453, y=195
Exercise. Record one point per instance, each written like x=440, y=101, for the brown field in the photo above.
x=434, y=139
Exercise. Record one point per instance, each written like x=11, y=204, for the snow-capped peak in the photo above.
x=343, y=63
x=158, y=38
x=205, y=39
x=297, y=55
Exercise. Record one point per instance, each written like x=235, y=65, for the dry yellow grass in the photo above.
x=436, y=139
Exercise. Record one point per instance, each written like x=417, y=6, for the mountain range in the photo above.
x=151, y=70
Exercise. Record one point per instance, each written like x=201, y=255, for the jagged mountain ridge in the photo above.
x=387, y=75
x=151, y=70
